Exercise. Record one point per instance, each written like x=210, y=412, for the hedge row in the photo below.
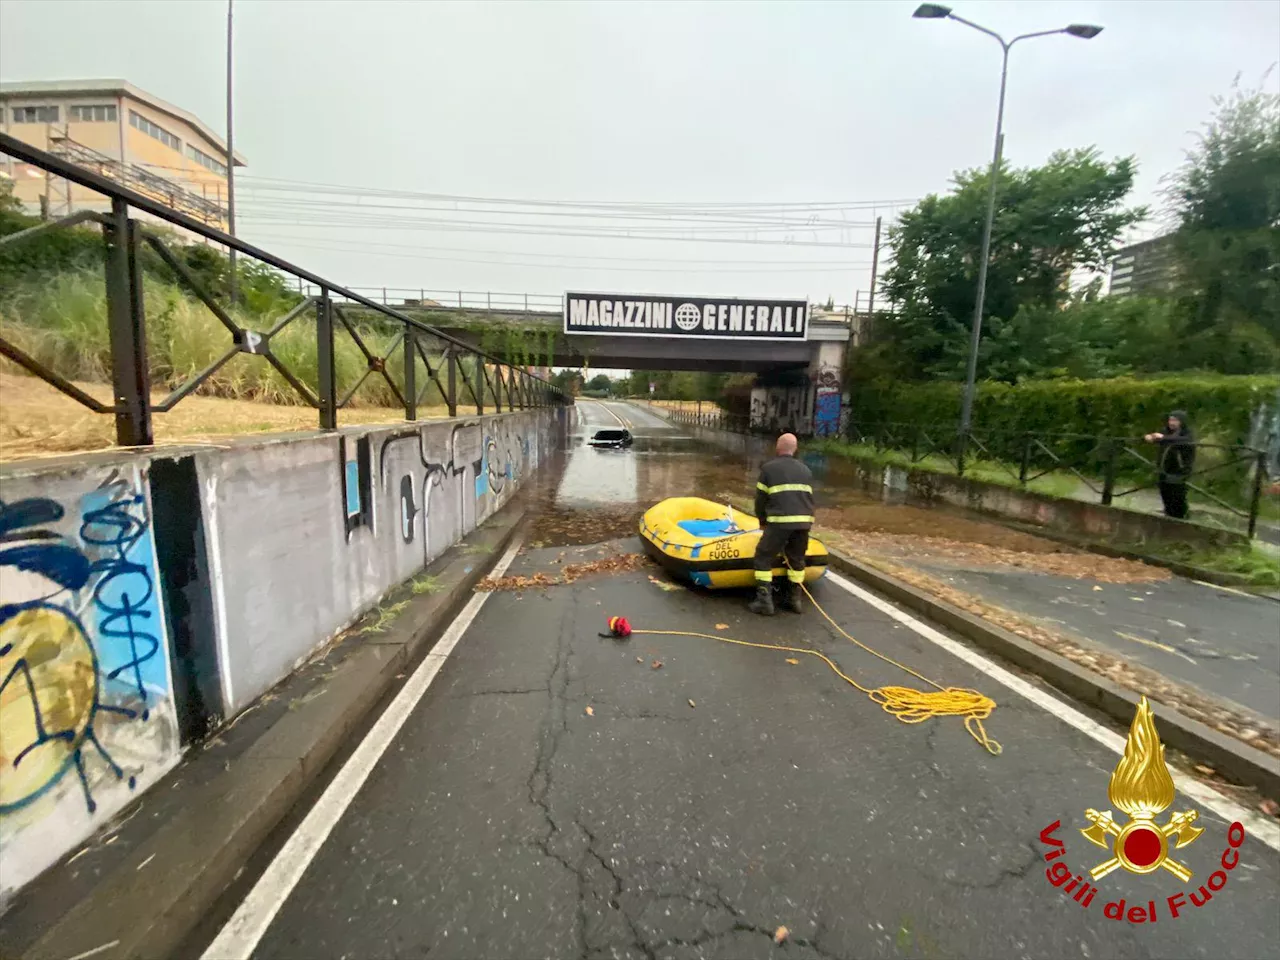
x=1219, y=407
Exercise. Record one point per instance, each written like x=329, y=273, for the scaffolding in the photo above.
x=129, y=175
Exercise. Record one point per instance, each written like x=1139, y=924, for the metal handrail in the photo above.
x=1104, y=450
x=85, y=178
x=124, y=238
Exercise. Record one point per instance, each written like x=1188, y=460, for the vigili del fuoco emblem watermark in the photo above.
x=1142, y=789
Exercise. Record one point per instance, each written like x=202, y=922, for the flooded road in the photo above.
x=553, y=791
x=599, y=494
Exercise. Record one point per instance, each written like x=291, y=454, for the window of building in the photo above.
x=153, y=130
x=35, y=114
x=98, y=113
x=202, y=158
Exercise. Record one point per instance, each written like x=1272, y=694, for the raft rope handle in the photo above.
x=909, y=706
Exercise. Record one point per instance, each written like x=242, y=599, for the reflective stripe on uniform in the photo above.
x=795, y=576
x=794, y=519
x=764, y=576
x=784, y=487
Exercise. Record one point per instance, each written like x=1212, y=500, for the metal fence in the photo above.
x=457, y=299
x=1108, y=467
x=464, y=375
x=540, y=302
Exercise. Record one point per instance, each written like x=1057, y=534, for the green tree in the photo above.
x=1050, y=221
x=1227, y=199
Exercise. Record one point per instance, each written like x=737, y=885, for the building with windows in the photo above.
x=120, y=132
x=1143, y=269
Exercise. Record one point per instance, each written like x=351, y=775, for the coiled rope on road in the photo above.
x=908, y=705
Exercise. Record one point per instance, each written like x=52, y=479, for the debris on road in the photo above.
x=572, y=571
x=656, y=665
x=792, y=660
x=590, y=712
x=780, y=934
x=1131, y=676
x=1057, y=560
x=692, y=704
x=722, y=626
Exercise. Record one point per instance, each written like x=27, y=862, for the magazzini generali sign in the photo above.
x=718, y=318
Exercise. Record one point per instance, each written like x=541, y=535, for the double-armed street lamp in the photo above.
x=1085, y=31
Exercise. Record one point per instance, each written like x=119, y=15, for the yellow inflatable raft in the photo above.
x=713, y=545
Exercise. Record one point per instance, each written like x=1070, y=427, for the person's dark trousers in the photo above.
x=792, y=543
x=1174, y=496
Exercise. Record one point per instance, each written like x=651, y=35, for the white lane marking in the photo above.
x=1255, y=824
x=239, y=937
x=609, y=410
x=1218, y=586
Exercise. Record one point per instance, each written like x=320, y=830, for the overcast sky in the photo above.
x=639, y=102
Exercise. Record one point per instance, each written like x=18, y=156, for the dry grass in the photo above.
x=37, y=420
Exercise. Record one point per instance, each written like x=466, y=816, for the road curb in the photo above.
x=194, y=856
x=1213, y=577
x=1235, y=760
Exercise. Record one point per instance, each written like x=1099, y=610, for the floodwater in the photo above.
x=599, y=493
x=594, y=494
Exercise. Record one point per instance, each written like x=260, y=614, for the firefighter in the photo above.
x=784, y=507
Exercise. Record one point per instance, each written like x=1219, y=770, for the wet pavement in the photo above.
x=1224, y=643
x=1219, y=642
x=556, y=794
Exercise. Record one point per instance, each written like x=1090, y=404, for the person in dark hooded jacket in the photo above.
x=1176, y=461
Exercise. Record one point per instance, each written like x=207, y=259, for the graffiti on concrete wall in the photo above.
x=826, y=404
x=445, y=482
x=86, y=709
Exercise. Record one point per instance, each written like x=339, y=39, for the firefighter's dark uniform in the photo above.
x=784, y=507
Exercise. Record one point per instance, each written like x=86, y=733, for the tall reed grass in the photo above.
x=61, y=321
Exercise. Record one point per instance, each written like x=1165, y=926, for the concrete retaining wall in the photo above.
x=145, y=598
x=1091, y=521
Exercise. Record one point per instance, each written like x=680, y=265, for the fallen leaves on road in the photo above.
x=781, y=934
x=1131, y=676
x=1061, y=562
x=571, y=572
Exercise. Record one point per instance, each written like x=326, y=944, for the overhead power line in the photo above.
x=414, y=253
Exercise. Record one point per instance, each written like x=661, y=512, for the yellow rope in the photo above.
x=909, y=706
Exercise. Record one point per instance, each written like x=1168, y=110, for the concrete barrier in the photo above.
x=919, y=487
x=147, y=597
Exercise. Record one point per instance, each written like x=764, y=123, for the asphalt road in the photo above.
x=1224, y=642
x=554, y=795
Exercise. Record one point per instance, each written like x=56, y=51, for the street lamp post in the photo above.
x=231, y=161
x=1084, y=31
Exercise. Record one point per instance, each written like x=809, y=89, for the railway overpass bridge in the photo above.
x=798, y=383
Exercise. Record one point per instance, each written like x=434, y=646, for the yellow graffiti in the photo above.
x=47, y=701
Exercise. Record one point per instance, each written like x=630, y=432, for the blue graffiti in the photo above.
x=41, y=552
x=124, y=595
x=827, y=414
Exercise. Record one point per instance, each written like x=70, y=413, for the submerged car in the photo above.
x=611, y=438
